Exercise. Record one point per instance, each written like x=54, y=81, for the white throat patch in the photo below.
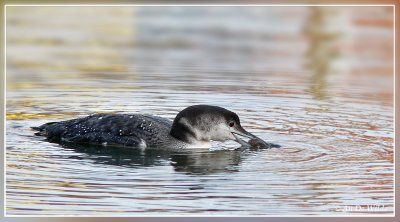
x=218, y=132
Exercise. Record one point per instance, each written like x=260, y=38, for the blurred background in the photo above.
x=317, y=80
x=336, y=51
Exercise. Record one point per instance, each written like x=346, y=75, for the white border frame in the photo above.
x=205, y=5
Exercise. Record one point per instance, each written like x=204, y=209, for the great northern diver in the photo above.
x=193, y=127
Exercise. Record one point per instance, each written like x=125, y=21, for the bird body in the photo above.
x=193, y=127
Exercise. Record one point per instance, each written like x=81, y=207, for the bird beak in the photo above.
x=242, y=136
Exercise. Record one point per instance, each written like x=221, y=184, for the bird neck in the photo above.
x=182, y=132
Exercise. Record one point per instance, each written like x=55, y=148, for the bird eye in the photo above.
x=231, y=124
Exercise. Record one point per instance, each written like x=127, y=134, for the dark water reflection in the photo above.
x=318, y=82
x=188, y=161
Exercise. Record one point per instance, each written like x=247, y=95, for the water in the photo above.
x=319, y=83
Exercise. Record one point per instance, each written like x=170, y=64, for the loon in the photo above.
x=193, y=127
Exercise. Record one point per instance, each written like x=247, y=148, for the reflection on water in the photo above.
x=189, y=161
x=318, y=82
x=322, y=46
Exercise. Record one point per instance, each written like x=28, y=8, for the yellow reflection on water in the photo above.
x=24, y=115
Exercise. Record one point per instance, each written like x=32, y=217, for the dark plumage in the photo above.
x=112, y=129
